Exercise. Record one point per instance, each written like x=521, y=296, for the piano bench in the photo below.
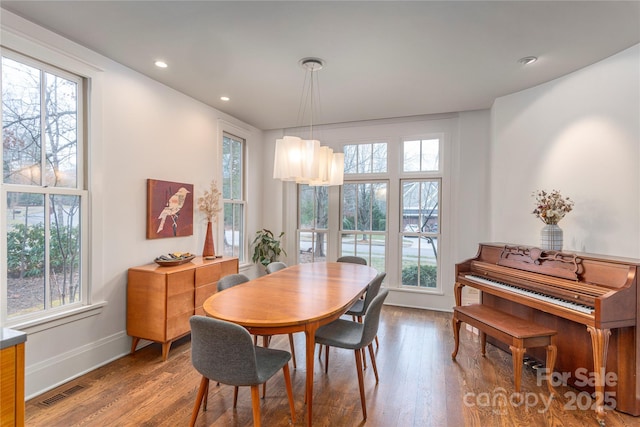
x=518, y=333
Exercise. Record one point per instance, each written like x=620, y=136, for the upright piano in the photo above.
x=591, y=300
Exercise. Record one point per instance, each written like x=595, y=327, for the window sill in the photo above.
x=429, y=291
x=59, y=319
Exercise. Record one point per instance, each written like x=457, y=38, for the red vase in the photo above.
x=208, y=242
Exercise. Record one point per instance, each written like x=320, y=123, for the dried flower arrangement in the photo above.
x=551, y=207
x=209, y=203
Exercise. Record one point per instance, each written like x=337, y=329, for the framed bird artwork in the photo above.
x=169, y=209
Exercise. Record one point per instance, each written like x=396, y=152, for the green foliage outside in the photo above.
x=428, y=276
x=26, y=250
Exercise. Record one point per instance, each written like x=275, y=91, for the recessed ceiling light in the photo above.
x=225, y=98
x=527, y=60
x=161, y=64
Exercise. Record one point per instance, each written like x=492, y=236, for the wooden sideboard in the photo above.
x=160, y=300
x=12, y=377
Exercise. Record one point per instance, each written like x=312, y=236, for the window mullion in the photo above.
x=47, y=252
x=43, y=127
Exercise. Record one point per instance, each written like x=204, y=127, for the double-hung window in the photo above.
x=420, y=205
x=364, y=230
x=44, y=196
x=233, y=196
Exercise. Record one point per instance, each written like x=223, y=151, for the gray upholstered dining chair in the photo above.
x=275, y=266
x=231, y=280
x=223, y=351
x=359, y=308
x=352, y=259
x=355, y=336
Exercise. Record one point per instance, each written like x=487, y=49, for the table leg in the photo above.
x=310, y=335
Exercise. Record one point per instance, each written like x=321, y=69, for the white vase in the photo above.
x=551, y=237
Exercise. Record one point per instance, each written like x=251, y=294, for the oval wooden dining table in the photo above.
x=299, y=298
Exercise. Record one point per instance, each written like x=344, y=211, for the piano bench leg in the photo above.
x=517, y=354
x=483, y=342
x=456, y=335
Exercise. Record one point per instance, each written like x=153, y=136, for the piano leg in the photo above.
x=600, y=344
x=483, y=343
x=552, y=352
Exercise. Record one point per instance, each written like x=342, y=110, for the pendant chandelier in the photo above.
x=305, y=161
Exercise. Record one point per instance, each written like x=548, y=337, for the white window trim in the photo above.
x=234, y=130
x=87, y=77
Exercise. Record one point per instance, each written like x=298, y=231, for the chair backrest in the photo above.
x=231, y=280
x=275, y=266
x=223, y=351
x=372, y=319
x=352, y=259
x=372, y=290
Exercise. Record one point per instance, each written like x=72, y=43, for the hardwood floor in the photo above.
x=419, y=386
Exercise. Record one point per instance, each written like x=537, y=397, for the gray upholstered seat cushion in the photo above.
x=353, y=335
x=224, y=352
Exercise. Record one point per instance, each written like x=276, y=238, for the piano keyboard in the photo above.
x=536, y=295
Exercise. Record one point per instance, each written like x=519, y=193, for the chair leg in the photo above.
x=255, y=405
x=361, y=382
x=293, y=351
x=287, y=383
x=364, y=354
x=326, y=359
x=373, y=361
x=206, y=397
x=204, y=383
x=377, y=343
x=235, y=397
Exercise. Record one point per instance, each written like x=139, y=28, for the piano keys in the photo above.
x=591, y=300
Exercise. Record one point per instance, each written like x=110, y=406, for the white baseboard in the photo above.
x=53, y=372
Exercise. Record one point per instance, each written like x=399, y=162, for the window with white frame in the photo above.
x=234, y=204
x=420, y=231
x=44, y=196
x=364, y=222
x=407, y=173
x=313, y=223
x=364, y=212
x=420, y=200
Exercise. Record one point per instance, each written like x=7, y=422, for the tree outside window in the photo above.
x=313, y=217
x=42, y=187
x=233, y=196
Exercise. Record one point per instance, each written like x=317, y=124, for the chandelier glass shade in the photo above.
x=306, y=161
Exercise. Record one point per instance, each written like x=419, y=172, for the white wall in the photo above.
x=140, y=129
x=579, y=134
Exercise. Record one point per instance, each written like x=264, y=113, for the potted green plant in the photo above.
x=266, y=247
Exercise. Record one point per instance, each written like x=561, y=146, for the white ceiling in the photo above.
x=384, y=59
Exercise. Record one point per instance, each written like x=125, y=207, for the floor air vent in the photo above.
x=62, y=395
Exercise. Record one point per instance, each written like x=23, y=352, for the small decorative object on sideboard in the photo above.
x=209, y=204
x=551, y=207
x=174, y=258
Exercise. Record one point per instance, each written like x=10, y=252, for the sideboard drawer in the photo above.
x=208, y=274
x=178, y=283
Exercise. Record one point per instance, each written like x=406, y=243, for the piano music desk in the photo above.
x=518, y=333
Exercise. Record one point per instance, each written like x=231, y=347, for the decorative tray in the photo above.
x=173, y=259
